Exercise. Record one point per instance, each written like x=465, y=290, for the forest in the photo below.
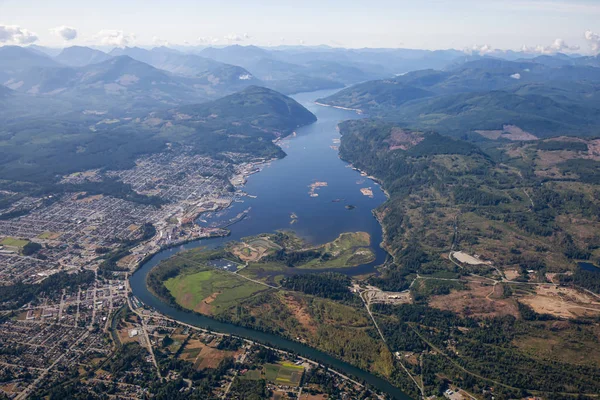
x=249, y=122
x=329, y=285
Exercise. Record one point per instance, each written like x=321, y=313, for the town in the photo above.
x=73, y=230
x=74, y=252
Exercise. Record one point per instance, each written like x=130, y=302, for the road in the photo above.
x=309, y=361
x=229, y=385
x=91, y=326
x=145, y=332
x=232, y=273
x=62, y=304
x=25, y=393
x=384, y=341
x=78, y=304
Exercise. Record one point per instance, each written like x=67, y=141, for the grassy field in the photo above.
x=340, y=329
x=348, y=250
x=210, y=291
x=284, y=373
x=253, y=375
x=13, y=242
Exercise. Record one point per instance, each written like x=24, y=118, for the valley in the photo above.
x=409, y=224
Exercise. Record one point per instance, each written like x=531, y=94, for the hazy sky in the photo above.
x=431, y=24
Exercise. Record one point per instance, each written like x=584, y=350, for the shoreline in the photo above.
x=356, y=110
x=154, y=250
x=328, y=368
x=171, y=303
x=383, y=244
x=256, y=167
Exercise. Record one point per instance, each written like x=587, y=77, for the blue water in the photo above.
x=588, y=266
x=282, y=188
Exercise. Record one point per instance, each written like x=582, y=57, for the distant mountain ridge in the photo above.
x=93, y=79
x=191, y=65
x=14, y=59
x=122, y=80
x=78, y=56
x=485, y=94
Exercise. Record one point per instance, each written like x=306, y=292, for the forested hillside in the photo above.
x=482, y=95
x=488, y=244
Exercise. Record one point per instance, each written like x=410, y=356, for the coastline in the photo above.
x=255, y=167
x=153, y=305
x=377, y=216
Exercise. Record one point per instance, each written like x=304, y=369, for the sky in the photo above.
x=543, y=26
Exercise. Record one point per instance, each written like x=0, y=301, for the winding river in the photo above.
x=282, y=189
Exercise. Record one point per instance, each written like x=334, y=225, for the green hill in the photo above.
x=459, y=114
x=485, y=94
x=245, y=123
x=376, y=96
x=258, y=107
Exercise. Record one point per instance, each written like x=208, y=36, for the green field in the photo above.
x=338, y=329
x=284, y=373
x=211, y=291
x=13, y=242
x=348, y=250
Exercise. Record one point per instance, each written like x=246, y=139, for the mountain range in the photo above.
x=447, y=91
x=87, y=78
x=39, y=150
x=486, y=94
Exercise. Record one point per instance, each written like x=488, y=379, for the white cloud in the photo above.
x=246, y=36
x=558, y=46
x=65, y=32
x=516, y=76
x=159, y=42
x=14, y=34
x=479, y=49
x=593, y=40
x=207, y=40
x=110, y=37
x=233, y=37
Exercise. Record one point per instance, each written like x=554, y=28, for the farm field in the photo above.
x=204, y=355
x=284, y=373
x=343, y=330
x=211, y=291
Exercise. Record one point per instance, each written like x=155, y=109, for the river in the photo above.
x=282, y=188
